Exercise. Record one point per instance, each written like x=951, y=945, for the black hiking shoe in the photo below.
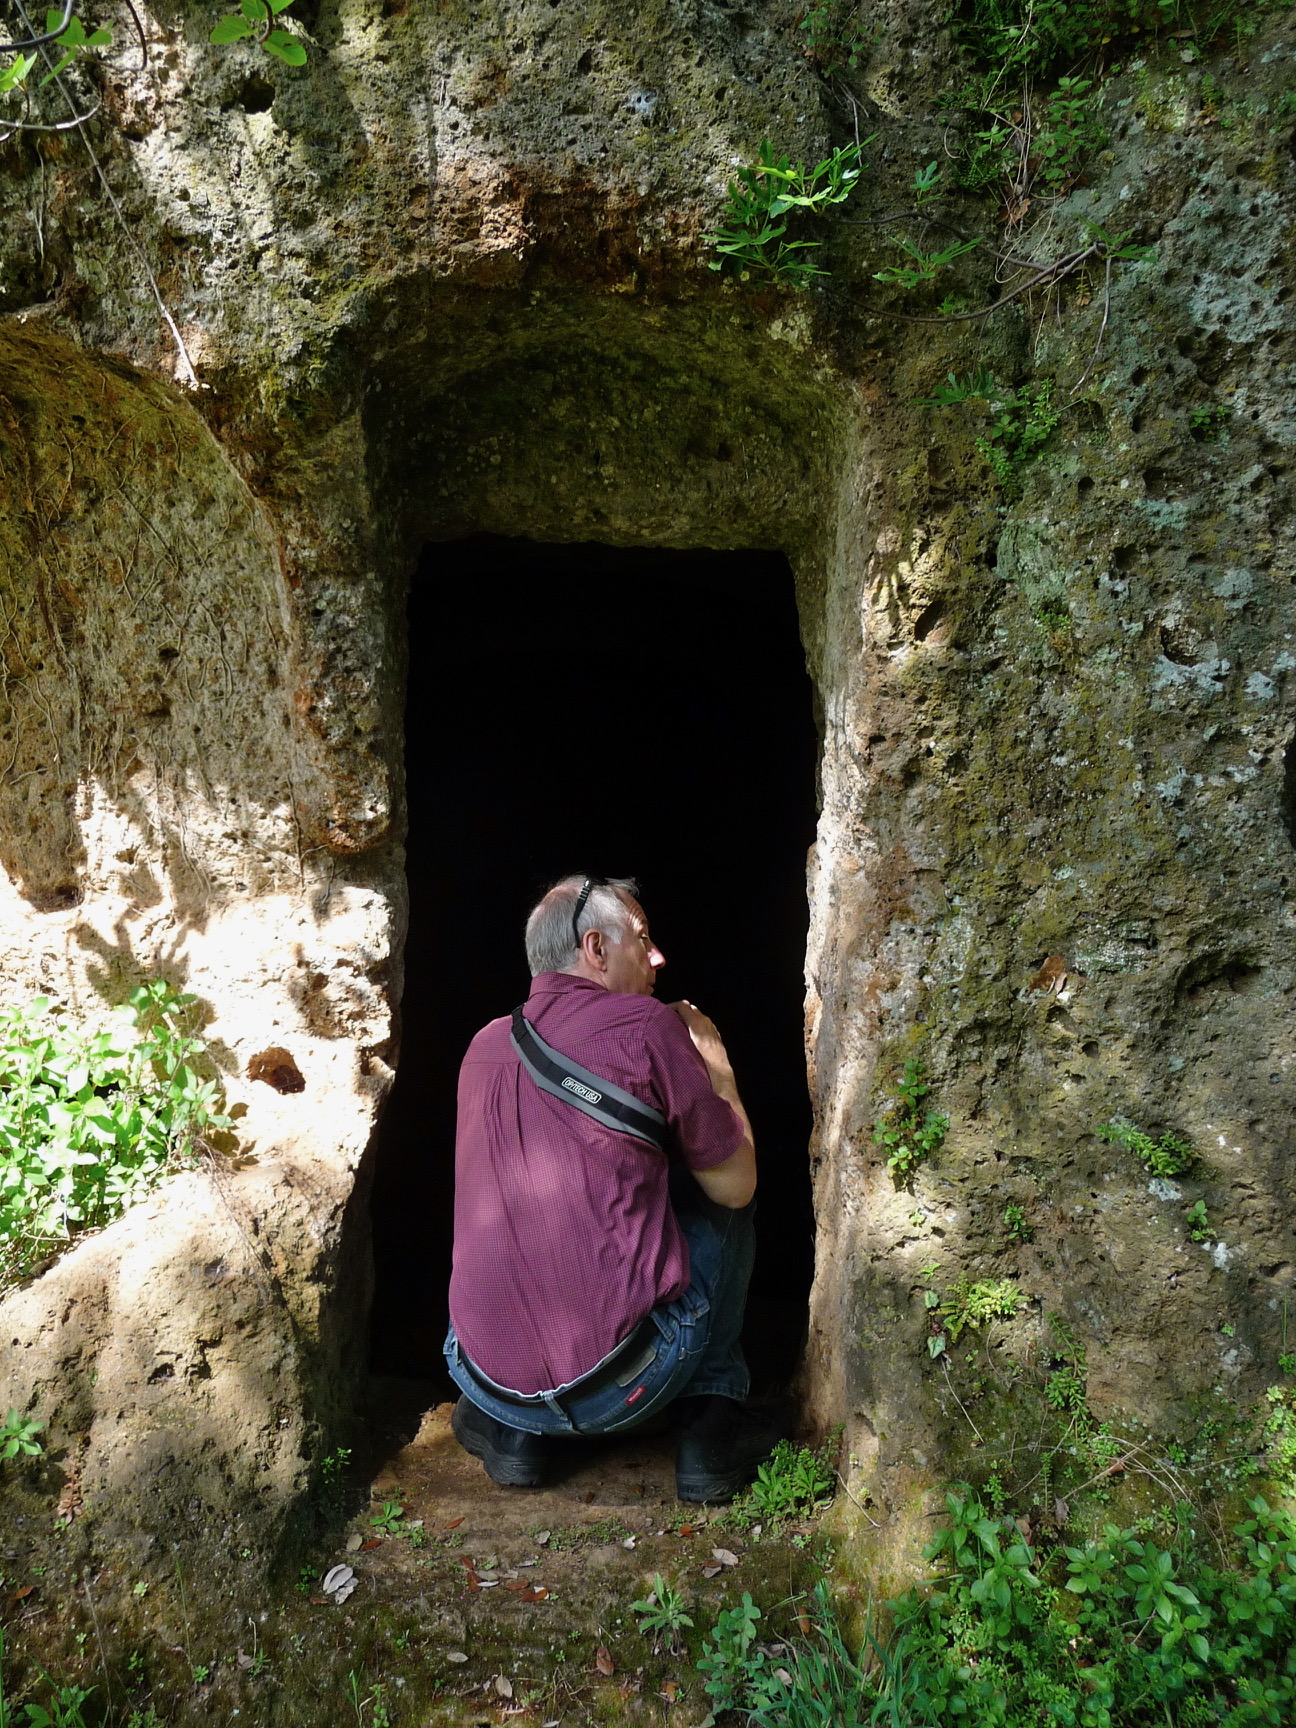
x=510, y=1456
x=721, y=1446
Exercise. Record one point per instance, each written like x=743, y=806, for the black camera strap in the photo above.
x=598, y=1098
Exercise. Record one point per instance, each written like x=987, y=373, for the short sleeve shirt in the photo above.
x=564, y=1233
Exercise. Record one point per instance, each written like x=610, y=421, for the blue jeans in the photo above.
x=696, y=1348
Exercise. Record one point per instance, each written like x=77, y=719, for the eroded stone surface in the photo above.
x=451, y=278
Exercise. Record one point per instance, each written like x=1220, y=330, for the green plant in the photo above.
x=62, y=1709
x=1170, y=1155
x=731, y=1662
x=254, y=20
x=1015, y=1220
x=389, y=1518
x=922, y=266
x=761, y=201
x=1068, y=130
x=968, y=1305
x=17, y=1435
x=663, y=1614
x=90, y=1120
x=1021, y=420
x=833, y=35
x=1198, y=1223
x=791, y=1483
x=905, y=1131
x=1209, y=423
x=1121, y=1631
x=68, y=44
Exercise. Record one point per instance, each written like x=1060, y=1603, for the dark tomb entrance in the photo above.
x=636, y=713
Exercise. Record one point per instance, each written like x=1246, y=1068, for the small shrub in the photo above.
x=90, y=1120
x=1198, y=1222
x=834, y=36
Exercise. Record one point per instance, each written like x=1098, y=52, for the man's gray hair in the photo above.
x=549, y=943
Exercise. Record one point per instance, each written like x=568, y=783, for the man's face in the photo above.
x=632, y=963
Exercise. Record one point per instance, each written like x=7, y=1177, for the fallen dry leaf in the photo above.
x=368, y=1547
x=1052, y=975
x=503, y=1686
x=244, y=1660
x=670, y=1691
x=783, y=1675
x=589, y=1498
x=456, y=1522
x=688, y=1529
x=804, y=1623
x=456, y=1655
x=353, y=1541
x=315, y=1602
x=711, y=1571
x=725, y=1556
x=603, y=1661
x=533, y=1593
x=542, y=1536
x=22, y=1593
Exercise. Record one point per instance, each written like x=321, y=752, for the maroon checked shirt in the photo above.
x=564, y=1233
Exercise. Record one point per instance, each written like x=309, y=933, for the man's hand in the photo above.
x=706, y=1038
x=732, y=1183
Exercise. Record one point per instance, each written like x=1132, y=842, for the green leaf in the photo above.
x=255, y=10
x=231, y=29
x=287, y=47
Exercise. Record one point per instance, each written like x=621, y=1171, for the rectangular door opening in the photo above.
x=633, y=712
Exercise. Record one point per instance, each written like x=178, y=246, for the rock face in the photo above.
x=451, y=277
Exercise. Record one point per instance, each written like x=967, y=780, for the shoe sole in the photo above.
x=504, y=1472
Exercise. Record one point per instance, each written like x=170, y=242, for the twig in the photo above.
x=12, y=126
x=854, y=1502
x=971, y=1424
x=1102, y=331
x=1051, y=273
x=103, y=1660
x=39, y=41
x=139, y=31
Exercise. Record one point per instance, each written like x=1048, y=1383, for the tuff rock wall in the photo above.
x=451, y=276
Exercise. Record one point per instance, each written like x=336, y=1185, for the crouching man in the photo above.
x=605, y=1176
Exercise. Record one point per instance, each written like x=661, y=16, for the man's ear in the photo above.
x=596, y=951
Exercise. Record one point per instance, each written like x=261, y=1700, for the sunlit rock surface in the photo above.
x=452, y=276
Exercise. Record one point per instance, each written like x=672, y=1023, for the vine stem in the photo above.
x=186, y=364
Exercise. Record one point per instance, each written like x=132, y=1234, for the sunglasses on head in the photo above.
x=587, y=888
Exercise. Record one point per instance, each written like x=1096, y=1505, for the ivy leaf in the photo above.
x=287, y=47
x=231, y=29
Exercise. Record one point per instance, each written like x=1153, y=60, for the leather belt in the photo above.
x=624, y=1364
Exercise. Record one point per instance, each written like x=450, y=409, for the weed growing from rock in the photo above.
x=793, y=1482
x=1169, y=1155
x=908, y=1134
x=18, y=1440
x=763, y=199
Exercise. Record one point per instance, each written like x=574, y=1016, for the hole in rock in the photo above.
x=636, y=712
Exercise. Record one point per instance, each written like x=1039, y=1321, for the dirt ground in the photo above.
x=519, y=1599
